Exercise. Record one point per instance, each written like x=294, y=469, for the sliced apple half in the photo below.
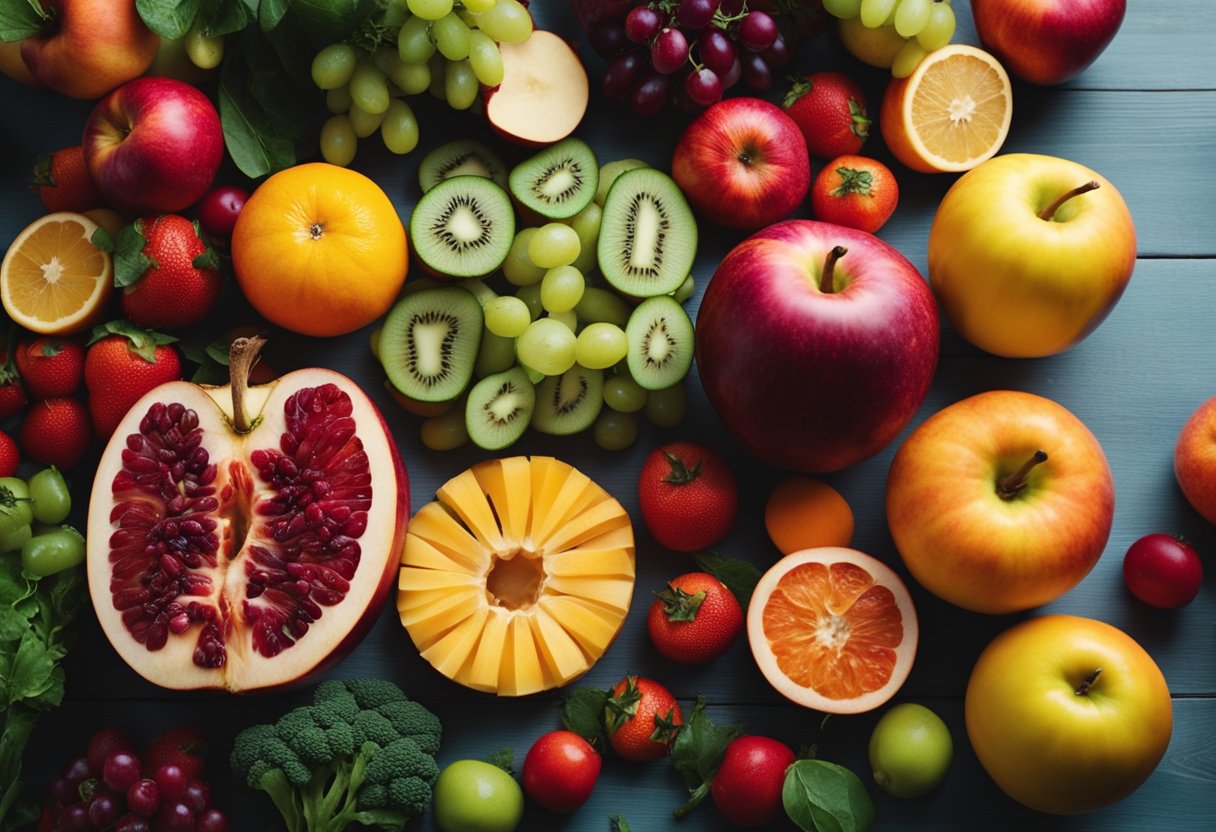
x=544, y=91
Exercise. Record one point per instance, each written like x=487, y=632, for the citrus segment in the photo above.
x=833, y=629
x=53, y=280
x=951, y=113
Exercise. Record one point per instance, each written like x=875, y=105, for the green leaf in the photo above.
x=168, y=18
x=583, y=713
x=824, y=797
x=260, y=110
x=270, y=13
x=21, y=19
x=617, y=823
x=739, y=576
x=101, y=239
x=29, y=674
x=678, y=605
x=224, y=17
x=141, y=342
x=697, y=753
x=131, y=262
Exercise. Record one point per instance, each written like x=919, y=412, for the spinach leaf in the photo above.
x=20, y=19
x=824, y=797
x=262, y=111
x=168, y=18
x=697, y=753
x=223, y=17
x=739, y=576
x=583, y=713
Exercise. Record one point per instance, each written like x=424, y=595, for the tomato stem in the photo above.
x=1010, y=486
x=827, y=278
x=1049, y=212
x=242, y=355
x=1088, y=682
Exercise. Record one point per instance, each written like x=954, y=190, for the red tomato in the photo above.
x=688, y=496
x=695, y=619
x=747, y=787
x=560, y=771
x=219, y=208
x=642, y=719
x=1163, y=570
x=854, y=191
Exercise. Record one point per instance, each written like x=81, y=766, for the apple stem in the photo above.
x=242, y=355
x=1010, y=486
x=826, y=280
x=1049, y=212
x=1088, y=682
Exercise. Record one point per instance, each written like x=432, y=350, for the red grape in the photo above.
x=74, y=818
x=703, y=86
x=172, y=782
x=757, y=31
x=132, y=823
x=219, y=208
x=732, y=75
x=619, y=77
x=696, y=14
x=669, y=51
x=198, y=796
x=1163, y=571
x=756, y=73
x=642, y=24
x=608, y=39
x=212, y=820
x=104, y=743
x=716, y=50
x=175, y=817
x=121, y=770
x=778, y=53
x=730, y=7
x=143, y=798
x=76, y=772
x=650, y=96
x=102, y=811
x=57, y=793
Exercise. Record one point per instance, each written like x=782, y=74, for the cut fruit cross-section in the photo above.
x=833, y=629
x=518, y=577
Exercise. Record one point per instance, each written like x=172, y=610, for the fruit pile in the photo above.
x=893, y=33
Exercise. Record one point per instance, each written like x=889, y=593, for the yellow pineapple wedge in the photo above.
x=518, y=577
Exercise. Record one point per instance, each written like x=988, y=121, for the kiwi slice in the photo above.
x=429, y=343
x=570, y=402
x=463, y=227
x=559, y=181
x=462, y=157
x=499, y=409
x=648, y=236
x=609, y=171
x=660, y=337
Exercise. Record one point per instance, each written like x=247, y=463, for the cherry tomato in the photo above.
x=560, y=771
x=219, y=209
x=1163, y=570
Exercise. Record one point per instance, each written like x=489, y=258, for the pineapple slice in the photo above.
x=518, y=577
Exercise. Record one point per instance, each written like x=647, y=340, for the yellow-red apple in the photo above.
x=1195, y=460
x=1047, y=41
x=89, y=46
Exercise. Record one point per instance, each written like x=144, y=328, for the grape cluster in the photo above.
x=447, y=47
x=922, y=25
x=687, y=52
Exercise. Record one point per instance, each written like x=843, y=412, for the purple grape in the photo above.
x=57, y=793
x=730, y=7
x=716, y=50
x=74, y=818
x=132, y=823
x=642, y=24
x=756, y=72
x=212, y=820
x=143, y=798
x=622, y=71
x=608, y=39
x=198, y=796
x=121, y=769
x=696, y=14
x=703, y=86
x=669, y=51
x=171, y=781
x=176, y=817
x=778, y=53
x=757, y=31
x=102, y=811
x=732, y=75
x=75, y=773
x=650, y=95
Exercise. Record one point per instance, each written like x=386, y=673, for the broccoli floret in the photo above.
x=361, y=753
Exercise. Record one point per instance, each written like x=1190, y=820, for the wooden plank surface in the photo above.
x=1133, y=382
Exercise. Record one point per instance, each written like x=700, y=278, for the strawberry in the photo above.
x=170, y=278
x=184, y=747
x=56, y=432
x=856, y=192
x=830, y=110
x=12, y=394
x=51, y=367
x=122, y=363
x=10, y=456
x=63, y=182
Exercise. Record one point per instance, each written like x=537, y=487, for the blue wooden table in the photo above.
x=1145, y=117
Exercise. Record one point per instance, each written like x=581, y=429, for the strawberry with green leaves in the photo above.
x=62, y=181
x=122, y=363
x=51, y=367
x=830, y=110
x=12, y=393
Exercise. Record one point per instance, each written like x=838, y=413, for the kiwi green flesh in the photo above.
x=660, y=338
x=570, y=402
x=429, y=343
x=559, y=181
x=463, y=157
x=648, y=236
x=499, y=409
x=463, y=227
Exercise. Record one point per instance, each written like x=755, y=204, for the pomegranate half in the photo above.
x=245, y=538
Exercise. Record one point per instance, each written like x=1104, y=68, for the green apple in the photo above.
x=1067, y=714
x=1029, y=253
x=472, y=796
x=910, y=750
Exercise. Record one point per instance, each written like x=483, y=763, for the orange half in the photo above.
x=833, y=629
x=53, y=280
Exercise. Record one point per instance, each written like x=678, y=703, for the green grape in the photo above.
x=531, y=296
x=939, y=29
x=16, y=512
x=399, y=130
x=685, y=290
x=204, y=51
x=412, y=78
x=518, y=268
x=554, y=244
x=495, y=355
x=666, y=407
x=337, y=101
x=369, y=88
x=600, y=305
x=446, y=432
x=586, y=224
x=460, y=85
x=599, y=346
x=507, y=316
x=430, y=9
x=874, y=13
x=52, y=551
x=451, y=37
x=386, y=60
x=623, y=394
x=486, y=58
x=507, y=22
x=561, y=289
x=395, y=13
x=615, y=431
x=50, y=500
x=568, y=319
x=333, y=65
x=478, y=6
x=364, y=123
x=338, y=140
x=414, y=44
x=439, y=69
x=907, y=59
x=546, y=346
x=911, y=16
x=844, y=9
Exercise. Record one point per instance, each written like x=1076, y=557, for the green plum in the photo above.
x=910, y=750
x=51, y=500
x=472, y=796
x=52, y=551
x=16, y=513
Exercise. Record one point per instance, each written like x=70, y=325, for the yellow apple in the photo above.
x=1000, y=502
x=1067, y=714
x=1029, y=253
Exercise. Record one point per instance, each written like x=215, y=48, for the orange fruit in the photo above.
x=53, y=280
x=833, y=629
x=320, y=250
x=951, y=113
x=804, y=513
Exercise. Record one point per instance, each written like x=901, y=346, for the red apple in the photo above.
x=153, y=145
x=743, y=163
x=1195, y=460
x=1047, y=41
x=815, y=359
